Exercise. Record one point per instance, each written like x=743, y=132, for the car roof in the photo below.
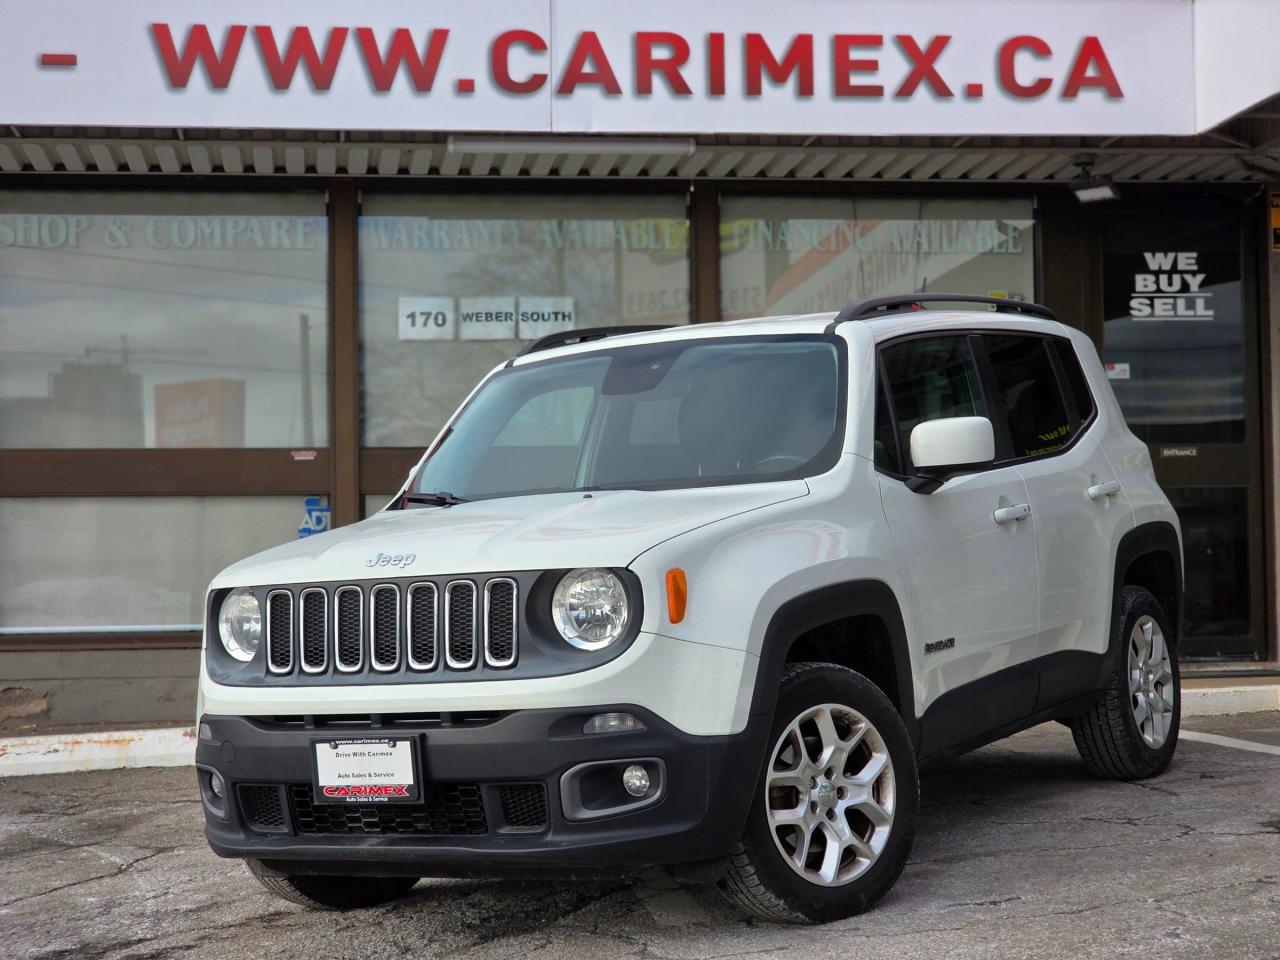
x=885, y=326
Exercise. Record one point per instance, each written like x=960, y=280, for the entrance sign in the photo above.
x=426, y=318
x=878, y=67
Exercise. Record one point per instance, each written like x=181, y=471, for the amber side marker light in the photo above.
x=677, y=594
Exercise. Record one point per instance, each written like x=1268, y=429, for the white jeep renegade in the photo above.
x=702, y=597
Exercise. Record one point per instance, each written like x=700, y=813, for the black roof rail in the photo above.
x=566, y=337
x=897, y=303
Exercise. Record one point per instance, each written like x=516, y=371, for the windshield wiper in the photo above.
x=441, y=499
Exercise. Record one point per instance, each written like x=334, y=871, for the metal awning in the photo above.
x=1245, y=148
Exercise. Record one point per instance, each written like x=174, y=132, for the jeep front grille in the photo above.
x=500, y=622
x=280, y=631
x=314, y=630
x=460, y=625
x=422, y=626
x=349, y=625
x=384, y=626
x=399, y=629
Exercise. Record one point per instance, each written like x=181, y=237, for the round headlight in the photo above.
x=589, y=608
x=240, y=624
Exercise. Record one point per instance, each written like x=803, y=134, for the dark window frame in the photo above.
x=990, y=393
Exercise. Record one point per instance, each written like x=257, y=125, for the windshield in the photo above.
x=674, y=414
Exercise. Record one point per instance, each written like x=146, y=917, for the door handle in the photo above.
x=1019, y=511
x=1108, y=488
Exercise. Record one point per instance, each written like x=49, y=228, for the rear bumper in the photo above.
x=697, y=814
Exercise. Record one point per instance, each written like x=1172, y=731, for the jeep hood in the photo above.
x=549, y=531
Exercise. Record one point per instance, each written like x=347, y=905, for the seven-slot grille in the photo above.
x=280, y=631
x=314, y=606
x=500, y=622
x=388, y=627
x=384, y=626
x=460, y=625
x=423, y=604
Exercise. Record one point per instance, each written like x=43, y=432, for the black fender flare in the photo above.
x=836, y=601
x=1156, y=536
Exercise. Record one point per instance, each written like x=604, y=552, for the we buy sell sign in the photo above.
x=888, y=67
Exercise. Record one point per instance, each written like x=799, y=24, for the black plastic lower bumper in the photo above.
x=468, y=765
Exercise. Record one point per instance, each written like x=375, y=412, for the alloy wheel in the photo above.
x=830, y=794
x=1151, y=683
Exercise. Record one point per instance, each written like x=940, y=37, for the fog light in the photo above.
x=206, y=731
x=635, y=780
x=612, y=723
x=216, y=786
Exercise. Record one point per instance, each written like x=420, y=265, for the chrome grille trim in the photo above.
x=489, y=658
x=304, y=620
x=414, y=662
x=453, y=662
x=378, y=664
x=273, y=600
x=343, y=666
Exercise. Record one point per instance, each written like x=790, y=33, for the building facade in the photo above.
x=250, y=265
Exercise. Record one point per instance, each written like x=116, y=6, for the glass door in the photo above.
x=1180, y=346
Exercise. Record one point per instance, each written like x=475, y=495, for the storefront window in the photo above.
x=451, y=286
x=1175, y=326
x=781, y=255
x=121, y=564
x=134, y=320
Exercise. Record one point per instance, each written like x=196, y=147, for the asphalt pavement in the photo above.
x=1020, y=854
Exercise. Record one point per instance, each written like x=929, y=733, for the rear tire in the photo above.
x=841, y=761
x=333, y=893
x=1131, y=730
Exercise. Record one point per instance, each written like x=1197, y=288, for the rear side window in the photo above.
x=1037, y=417
x=931, y=378
x=1076, y=382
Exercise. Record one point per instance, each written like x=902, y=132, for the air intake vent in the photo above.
x=524, y=805
x=315, y=630
x=422, y=626
x=263, y=808
x=348, y=628
x=460, y=625
x=384, y=626
x=280, y=631
x=500, y=622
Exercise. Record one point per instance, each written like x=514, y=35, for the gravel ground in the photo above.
x=1020, y=854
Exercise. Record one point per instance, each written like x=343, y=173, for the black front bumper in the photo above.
x=707, y=787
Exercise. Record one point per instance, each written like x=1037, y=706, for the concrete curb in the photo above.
x=106, y=750
x=1216, y=701
x=175, y=746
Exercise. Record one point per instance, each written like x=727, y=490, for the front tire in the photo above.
x=1131, y=730
x=333, y=893
x=834, y=814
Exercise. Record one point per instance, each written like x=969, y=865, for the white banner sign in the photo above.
x=880, y=67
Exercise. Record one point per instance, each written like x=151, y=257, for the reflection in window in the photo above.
x=929, y=380
x=1175, y=326
x=174, y=320
x=782, y=255
x=452, y=286
x=84, y=564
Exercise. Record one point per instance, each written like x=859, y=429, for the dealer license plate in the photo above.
x=366, y=770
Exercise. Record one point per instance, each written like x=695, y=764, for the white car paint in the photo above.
x=1007, y=592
